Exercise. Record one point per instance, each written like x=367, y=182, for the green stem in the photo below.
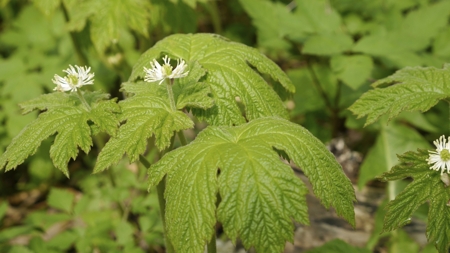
x=83, y=101
x=160, y=188
x=212, y=248
x=319, y=88
x=182, y=138
x=213, y=10
x=169, y=83
x=82, y=59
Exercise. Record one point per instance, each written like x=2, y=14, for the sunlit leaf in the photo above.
x=260, y=195
x=409, y=89
x=66, y=117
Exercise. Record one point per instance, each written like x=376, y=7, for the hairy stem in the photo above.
x=83, y=101
x=182, y=138
x=82, y=59
x=169, y=83
x=212, y=248
x=160, y=188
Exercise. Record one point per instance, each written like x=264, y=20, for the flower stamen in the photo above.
x=159, y=72
x=440, y=158
x=76, y=77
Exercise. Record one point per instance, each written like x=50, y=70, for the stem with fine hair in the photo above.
x=169, y=83
x=212, y=248
x=160, y=188
x=83, y=101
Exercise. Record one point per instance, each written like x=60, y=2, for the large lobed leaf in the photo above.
x=233, y=71
x=66, y=116
x=260, y=194
x=426, y=187
x=147, y=111
x=409, y=89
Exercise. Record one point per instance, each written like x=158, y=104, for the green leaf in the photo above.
x=379, y=45
x=419, y=26
x=47, y=6
x=409, y=89
x=148, y=112
x=3, y=209
x=259, y=193
x=19, y=249
x=440, y=46
x=191, y=3
x=61, y=199
x=108, y=19
x=319, y=15
x=337, y=246
x=274, y=22
x=426, y=187
x=309, y=99
x=232, y=71
x=66, y=116
x=392, y=139
x=353, y=70
x=400, y=242
x=327, y=44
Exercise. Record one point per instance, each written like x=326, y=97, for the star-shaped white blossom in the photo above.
x=160, y=73
x=76, y=77
x=440, y=159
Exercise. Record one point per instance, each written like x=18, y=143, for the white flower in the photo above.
x=440, y=159
x=76, y=77
x=160, y=73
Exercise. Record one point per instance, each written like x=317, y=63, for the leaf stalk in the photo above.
x=83, y=101
x=169, y=83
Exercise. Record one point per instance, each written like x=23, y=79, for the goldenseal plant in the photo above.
x=230, y=171
x=415, y=89
x=73, y=117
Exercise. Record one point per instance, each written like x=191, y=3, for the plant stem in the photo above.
x=319, y=88
x=169, y=83
x=182, y=138
x=213, y=10
x=160, y=188
x=83, y=101
x=82, y=59
x=212, y=248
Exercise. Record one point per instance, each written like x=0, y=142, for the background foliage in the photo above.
x=332, y=50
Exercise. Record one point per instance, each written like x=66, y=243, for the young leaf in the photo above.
x=408, y=89
x=66, y=116
x=426, y=187
x=232, y=71
x=148, y=112
x=260, y=194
